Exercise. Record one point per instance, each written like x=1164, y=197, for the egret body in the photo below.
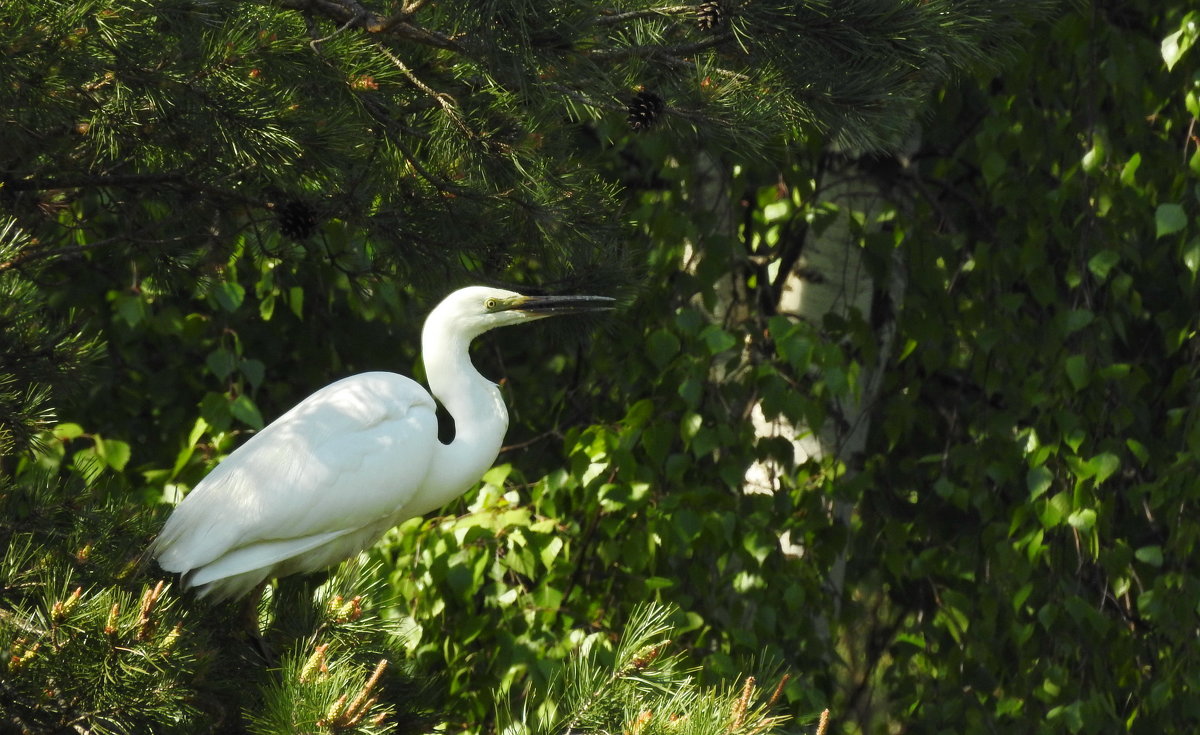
x=330, y=476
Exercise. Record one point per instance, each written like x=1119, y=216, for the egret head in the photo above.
x=474, y=310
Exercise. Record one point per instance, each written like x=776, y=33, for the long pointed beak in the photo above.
x=555, y=305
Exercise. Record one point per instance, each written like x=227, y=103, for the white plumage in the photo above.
x=329, y=477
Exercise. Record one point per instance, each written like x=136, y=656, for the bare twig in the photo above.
x=313, y=43
x=552, y=434
x=445, y=101
x=408, y=11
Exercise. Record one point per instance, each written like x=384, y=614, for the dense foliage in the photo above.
x=213, y=209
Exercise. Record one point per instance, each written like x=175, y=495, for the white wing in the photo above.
x=318, y=484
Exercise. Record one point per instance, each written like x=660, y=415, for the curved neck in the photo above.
x=475, y=404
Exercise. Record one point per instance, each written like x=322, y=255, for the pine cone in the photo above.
x=297, y=220
x=644, y=110
x=709, y=15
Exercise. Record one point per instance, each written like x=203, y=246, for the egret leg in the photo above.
x=251, y=616
x=250, y=608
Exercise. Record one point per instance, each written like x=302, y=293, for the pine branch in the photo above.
x=35, y=254
x=668, y=10
x=663, y=52
x=445, y=101
x=80, y=181
x=350, y=13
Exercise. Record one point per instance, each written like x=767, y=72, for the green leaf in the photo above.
x=254, y=370
x=1103, y=262
x=1056, y=509
x=229, y=295
x=1094, y=158
x=658, y=583
x=296, y=301
x=1129, y=171
x=131, y=308
x=993, y=165
x=1169, y=219
x=112, y=452
x=759, y=545
x=656, y=440
x=717, y=339
x=1174, y=46
x=550, y=551
x=777, y=210
x=1139, y=450
x=661, y=347
x=1191, y=255
x=68, y=431
x=1083, y=519
x=1078, y=319
x=690, y=390
x=1104, y=465
x=1070, y=715
x=266, y=307
x=1152, y=555
x=214, y=409
x=1038, y=481
x=689, y=425
x=221, y=362
x=1075, y=438
x=244, y=410
x=1077, y=371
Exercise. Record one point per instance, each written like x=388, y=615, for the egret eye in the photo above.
x=490, y=304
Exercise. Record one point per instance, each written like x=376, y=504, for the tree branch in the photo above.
x=644, y=13
x=42, y=253
x=444, y=100
x=661, y=51
x=352, y=14
x=81, y=181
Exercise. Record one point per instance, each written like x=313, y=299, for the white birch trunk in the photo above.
x=829, y=278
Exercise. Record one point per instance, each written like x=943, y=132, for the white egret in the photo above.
x=329, y=477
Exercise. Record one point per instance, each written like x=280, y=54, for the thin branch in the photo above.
x=49, y=252
x=408, y=11
x=354, y=15
x=644, y=13
x=313, y=43
x=79, y=182
x=440, y=183
x=585, y=100
x=42, y=253
x=445, y=101
x=552, y=434
x=652, y=52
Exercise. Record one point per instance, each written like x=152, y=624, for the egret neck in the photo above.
x=475, y=404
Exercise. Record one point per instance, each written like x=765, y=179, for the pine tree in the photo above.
x=40, y=358
x=153, y=148
x=640, y=686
